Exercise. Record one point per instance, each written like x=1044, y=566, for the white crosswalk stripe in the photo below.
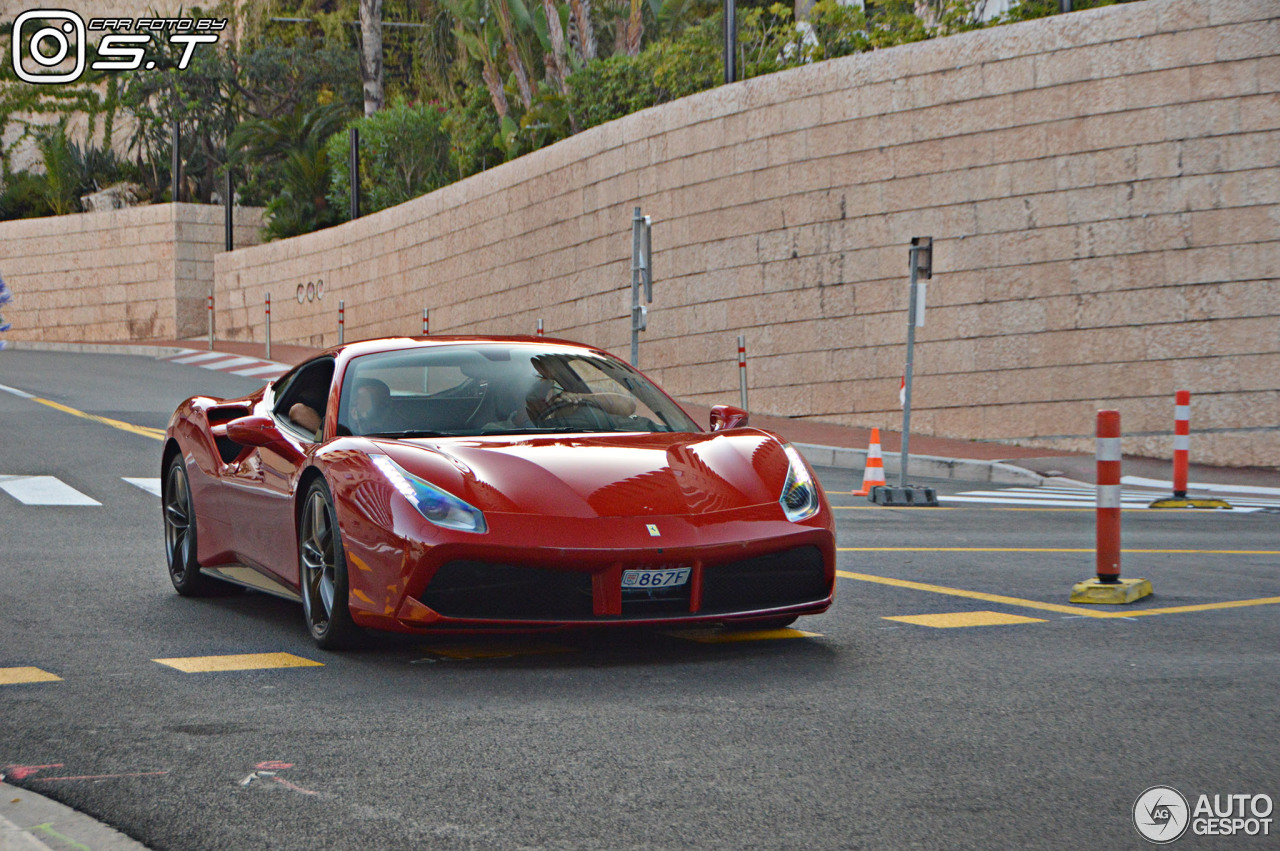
x=43, y=490
x=149, y=485
x=249, y=367
x=1086, y=497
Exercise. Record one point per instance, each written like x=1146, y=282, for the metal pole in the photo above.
x=730, y=41
x=211, y=317
x=342, y=321
x=353, y=173
x=742, y=369
x=426, y=322
x=540, y=331
x=911, y=345
x=268, y=331
x=176, y=165
x=230, y=217
x=637, y=309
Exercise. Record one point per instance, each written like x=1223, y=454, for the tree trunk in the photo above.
x=555, y=61
x=371, y=54
x=635, y=29
x=581, y=11
x=493, y=81
x=513, y=55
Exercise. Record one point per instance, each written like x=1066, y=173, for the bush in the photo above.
x=404, y=153
x=473, y=133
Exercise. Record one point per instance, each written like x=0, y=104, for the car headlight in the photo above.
x=439, y=506
x=799, y=498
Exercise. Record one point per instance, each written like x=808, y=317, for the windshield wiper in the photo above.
x=398, y=435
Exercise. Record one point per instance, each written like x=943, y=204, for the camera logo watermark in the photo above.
x=44, y=39
x=1162, y=814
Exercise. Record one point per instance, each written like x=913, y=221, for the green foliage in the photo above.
x=472, y=127
x=404, y=153
x=605, y=89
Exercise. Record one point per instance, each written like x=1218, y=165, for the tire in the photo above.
x=322, y=572
x=180, y=534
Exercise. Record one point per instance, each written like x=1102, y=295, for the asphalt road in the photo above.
x=870, y=733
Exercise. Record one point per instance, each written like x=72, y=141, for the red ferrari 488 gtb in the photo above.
x=469, y=483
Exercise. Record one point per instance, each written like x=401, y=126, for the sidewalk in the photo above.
x=824, y=444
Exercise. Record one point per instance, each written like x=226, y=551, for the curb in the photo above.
x=140, y=350
x=930, y=466
x=32, y=822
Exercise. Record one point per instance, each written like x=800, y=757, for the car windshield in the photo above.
x=482, y=389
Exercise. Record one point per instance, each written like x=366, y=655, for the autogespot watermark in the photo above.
x=1162, y=814
x=45, y=39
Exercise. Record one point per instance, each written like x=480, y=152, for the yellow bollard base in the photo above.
x=1179, y=502
x=1124, y=591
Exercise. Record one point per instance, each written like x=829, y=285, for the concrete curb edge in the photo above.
x=930, y=466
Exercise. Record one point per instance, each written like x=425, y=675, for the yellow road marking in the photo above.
x=14, y=676
x=958, y=619
x=154, y=433
x=1081, y=611
x=243, y=662
x=1049, y=550
x=730, y=636
x=496, y=650
x=972, y=595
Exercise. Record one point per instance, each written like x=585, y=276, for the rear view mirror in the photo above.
x=726, y=417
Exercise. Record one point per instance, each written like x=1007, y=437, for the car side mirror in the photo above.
x=261, y=431
x=726, y=417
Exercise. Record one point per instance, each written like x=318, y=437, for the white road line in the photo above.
x=148, y=485
x=1196, y=486
x=43, y=490
x=196, y=358
x=1060, y=498
x=262, y=370
x=231, y=362
x=21, y=394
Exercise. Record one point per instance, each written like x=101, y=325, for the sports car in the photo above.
x=490, y=484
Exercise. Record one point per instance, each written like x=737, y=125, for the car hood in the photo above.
x=602, y=475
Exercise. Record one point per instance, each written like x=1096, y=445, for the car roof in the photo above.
x=400, y=344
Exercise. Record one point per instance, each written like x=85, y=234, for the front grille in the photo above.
x=489, y=590
x=765, y=582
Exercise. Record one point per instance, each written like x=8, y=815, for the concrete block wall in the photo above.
x=135, y=274
x=1102, y=189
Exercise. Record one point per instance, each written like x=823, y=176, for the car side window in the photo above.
x=303, y=397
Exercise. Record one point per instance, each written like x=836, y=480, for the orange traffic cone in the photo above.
x=874, y=473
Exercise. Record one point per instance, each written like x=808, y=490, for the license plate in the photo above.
x=667, y=577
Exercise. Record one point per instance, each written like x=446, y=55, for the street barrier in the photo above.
x=742, y=371
x=211, y=318
x=1107, y=586
x=426, y=321
x=268, y=326
x=1181, y=458
x=540, y=332
x=873, y=473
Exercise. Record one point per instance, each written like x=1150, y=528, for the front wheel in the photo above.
x=322, y=570
x=180, y=533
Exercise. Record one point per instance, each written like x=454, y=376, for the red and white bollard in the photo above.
x=210, y=320
x=540, y=332
x=426, y=321
x=1181, y=441
x=742, y=369
x=342, y=321
x=1108, y=533
x=268, y=329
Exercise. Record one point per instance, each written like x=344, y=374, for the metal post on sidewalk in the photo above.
x=540, y=331
x=742, y=370
x=353, y=173
x=229, y=220
x=426, y=321
x=210, y=311
x=342, y=321
x=641, y=278
x=268, y=329
x=921, y=262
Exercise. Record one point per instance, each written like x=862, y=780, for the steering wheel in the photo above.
x=559, y=402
